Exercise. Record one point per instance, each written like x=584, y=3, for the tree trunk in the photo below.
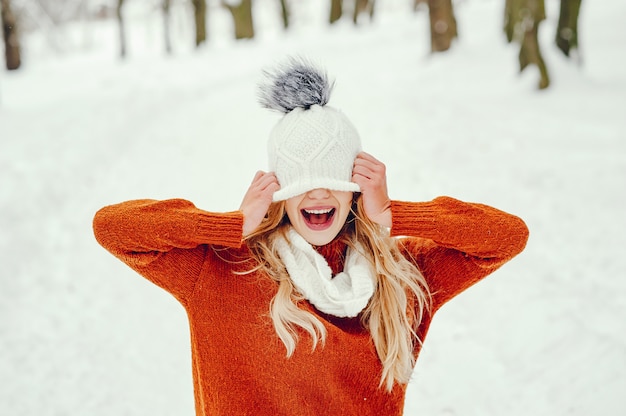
x=284, y=12
x=12, y=53
x=522, y=19
x=242, y=17
x=530, y=54
x=442, y=25
x=363, y=6
x=121, y=28
x=166, y=25
x=199, y=14
x=567, y=30
x=509, y=20
x=336, y=10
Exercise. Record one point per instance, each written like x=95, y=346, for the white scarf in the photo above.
x=345, y=295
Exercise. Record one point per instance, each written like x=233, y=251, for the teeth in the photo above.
x=318, y=211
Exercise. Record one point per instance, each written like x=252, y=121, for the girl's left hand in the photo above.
x=370, y=174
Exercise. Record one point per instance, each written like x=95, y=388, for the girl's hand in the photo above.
x=370, y=174
x=257, y=200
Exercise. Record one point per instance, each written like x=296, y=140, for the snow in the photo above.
x=82, y=334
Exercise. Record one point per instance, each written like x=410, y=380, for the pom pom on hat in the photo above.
x=295, y=84
x=313, y=145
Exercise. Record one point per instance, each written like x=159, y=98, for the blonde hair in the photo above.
x=392, y=315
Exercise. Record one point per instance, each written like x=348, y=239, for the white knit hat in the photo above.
x=313, y=145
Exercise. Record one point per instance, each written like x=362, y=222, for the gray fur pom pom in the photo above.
x=295, y=84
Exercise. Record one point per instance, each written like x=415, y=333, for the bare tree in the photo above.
x=363, y=6
x=442, y=25
x=12, y=53
x=199, y=13
x=242, y=17
x=166, y=5
x=521, y=24
x=567, y=29
x=284, y=12
x=336, y=10
x=121, y=27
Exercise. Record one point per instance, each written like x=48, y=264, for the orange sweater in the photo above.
x=239, y=364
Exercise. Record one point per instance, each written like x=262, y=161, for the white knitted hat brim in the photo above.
x=299, y=188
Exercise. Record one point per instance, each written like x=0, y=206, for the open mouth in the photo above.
x=318, y=218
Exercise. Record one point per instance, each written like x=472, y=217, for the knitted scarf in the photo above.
x=344, y=295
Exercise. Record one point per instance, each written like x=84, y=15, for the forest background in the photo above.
x=521, y=20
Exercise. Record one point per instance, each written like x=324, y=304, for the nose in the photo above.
x=318, y=193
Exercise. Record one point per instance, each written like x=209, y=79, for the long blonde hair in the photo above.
x=399, y=302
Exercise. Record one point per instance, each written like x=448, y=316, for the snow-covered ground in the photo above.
x=81, y=334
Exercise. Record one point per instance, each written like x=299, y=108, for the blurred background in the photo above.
x=519, y=19
x=514, y=103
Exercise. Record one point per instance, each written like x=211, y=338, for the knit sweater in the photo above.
x=239, y=364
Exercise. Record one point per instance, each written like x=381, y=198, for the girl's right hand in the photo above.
x=257, y=200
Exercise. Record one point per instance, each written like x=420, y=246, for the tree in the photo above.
x=359, y=7
x=363, y=6
x=567, y=29
x=11, y=40
x=521, y=24
x=199, y=14
x=442, y=25
x=284, y=12
x=121, y=28
x=336, y=10
x=166, y=25
x=242, y=18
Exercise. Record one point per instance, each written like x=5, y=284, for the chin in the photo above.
x=319, y=241
x=317, y=238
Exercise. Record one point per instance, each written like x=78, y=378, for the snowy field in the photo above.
x=81, y=334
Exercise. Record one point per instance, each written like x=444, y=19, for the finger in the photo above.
x=369, y=173
x=367, y=165
x=363, y=181
x=274, y=187
x=257, y=177
x=271, y=187
x=366, y=156
x=260, y=178
x=361, y=171
x=269, y=180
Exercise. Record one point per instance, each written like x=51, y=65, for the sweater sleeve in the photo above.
x=165, y=241
x=455, y=244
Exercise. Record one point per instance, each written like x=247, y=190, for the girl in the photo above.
x=306, y=300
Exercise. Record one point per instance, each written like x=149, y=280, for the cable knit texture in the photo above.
x=239, y=364
x=313, y=148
